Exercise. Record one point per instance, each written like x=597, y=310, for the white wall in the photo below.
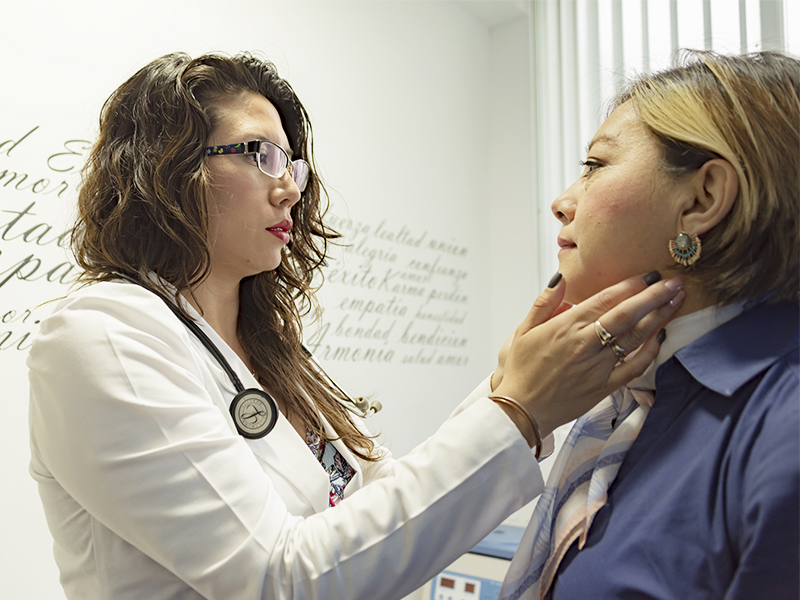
x=406, y=101
x=516, y=277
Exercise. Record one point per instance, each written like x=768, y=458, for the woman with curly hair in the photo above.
x=184, y=442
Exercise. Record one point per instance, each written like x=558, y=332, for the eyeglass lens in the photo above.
x=273, y=161
x=300, y=174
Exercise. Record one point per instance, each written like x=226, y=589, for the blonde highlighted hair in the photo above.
x=746, y=110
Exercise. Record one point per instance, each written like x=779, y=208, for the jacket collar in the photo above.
x=282, y=449
x=727, y=357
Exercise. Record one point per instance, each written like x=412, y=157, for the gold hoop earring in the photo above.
x=685, y=249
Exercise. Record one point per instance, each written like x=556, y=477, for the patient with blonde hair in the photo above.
x=684, y=484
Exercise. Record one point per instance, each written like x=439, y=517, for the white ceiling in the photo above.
x=495, y=12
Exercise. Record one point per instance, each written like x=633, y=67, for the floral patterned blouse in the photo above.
x=338, y=469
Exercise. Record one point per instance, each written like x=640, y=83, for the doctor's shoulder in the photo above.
x=98, y=312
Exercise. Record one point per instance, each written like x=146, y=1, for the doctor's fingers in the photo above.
x=546, y=305
x=651, y=323
x=634, y=365
x=630, y=307
x=623, y=329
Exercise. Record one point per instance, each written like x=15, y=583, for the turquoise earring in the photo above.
x=685, y=249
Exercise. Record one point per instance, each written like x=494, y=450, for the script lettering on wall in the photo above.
x=38, y=175
x=395, y=295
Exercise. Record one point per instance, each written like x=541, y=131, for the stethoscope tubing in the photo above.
x=361, y=406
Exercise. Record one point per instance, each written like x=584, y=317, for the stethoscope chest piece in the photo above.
x=254, y=413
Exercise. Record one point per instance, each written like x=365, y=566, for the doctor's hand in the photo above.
x=543, y=309
x=555, y=364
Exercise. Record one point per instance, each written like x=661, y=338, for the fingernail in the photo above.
x=652, y=277
x=674, y=284
x=678, y=299
x=554, y=280
x=662, y=335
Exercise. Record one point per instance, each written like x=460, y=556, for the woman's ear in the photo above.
x=715, y=186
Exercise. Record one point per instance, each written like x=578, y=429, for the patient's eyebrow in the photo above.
x=603, y=139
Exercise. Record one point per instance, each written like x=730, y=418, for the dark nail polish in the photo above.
x=662, y=335
x=652, y=277
x=554, y=280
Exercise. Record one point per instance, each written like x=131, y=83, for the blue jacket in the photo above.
x=707, y=502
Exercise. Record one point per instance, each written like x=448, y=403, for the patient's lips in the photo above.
x=565, y=245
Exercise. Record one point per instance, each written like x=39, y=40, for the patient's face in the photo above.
x=618, y=217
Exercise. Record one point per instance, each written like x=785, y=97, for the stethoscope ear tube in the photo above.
x=362, y=407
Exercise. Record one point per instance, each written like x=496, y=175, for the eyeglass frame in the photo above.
x=253, y=147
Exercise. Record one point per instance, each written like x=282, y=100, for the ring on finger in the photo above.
x=603, y=334
x=609, y=340
x=618, y=352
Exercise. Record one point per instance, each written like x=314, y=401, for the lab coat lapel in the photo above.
x=292, y=466
x=299, y=478
x=358, y=479
x=283, y=454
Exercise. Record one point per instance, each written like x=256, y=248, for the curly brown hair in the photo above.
x=143, y=207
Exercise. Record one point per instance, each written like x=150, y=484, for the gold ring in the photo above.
x=618, y=352
x=602, y=334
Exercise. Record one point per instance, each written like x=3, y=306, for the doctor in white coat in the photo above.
x=200, y=216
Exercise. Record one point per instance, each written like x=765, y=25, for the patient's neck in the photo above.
x=696, y=299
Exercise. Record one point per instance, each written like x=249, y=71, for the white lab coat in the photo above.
x=149, y=492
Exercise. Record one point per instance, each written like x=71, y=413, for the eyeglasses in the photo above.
x=272, y=159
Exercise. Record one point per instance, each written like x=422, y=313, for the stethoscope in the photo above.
x=254, y=411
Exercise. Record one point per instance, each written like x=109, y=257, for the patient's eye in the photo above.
x=589, y=166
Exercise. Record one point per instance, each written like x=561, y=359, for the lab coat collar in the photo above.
x=282, y=452
x=282, y=449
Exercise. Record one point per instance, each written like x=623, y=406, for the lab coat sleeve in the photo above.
x=123, y=422
x=376, y=470
x=483, y=390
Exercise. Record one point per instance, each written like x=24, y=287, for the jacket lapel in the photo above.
x=297, y=475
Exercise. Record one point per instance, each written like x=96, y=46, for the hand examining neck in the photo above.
x=696, y=299
x=556, y=366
